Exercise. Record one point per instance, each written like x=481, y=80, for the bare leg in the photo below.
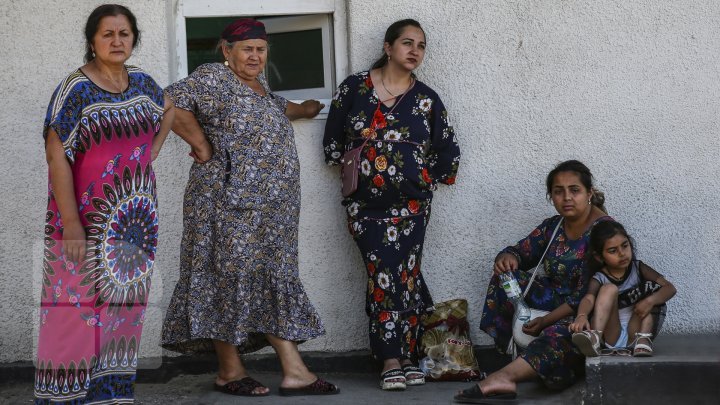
x=644, y=325
x=640, y=325
x=230, y=366
x=295, y=372
x=606, y=317
x=505, y=380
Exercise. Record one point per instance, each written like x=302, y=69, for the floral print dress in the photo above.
x=239, y=274
x=552, y=355
x=92, y=312
x=410, y=149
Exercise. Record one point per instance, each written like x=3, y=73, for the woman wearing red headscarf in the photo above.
x=239, y=288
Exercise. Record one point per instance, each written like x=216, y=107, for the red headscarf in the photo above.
x=244, y=28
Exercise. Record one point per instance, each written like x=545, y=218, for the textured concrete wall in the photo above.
x=42, y=42
x=631, y=89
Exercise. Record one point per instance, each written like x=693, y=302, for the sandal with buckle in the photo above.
x=642, y=349
x=393, y=380
x=588, y=341
x=413, y=375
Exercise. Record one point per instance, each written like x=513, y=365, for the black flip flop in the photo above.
x=243, y=388
x=319, y=387
x=475, y=396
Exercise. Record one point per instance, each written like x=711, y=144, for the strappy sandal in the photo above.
x=413, y=375
x=393, y=380
x=642, y=349
x=588, y=341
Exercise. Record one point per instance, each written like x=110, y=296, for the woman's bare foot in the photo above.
x=298, y=380
x=496, y=384
x=389, y=364
x=221, y=380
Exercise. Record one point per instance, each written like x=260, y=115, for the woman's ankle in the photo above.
x=225, y=378
x=497, y=384
x=389, y=364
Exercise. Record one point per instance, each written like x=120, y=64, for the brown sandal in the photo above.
x=319, y=387
x=243, y=387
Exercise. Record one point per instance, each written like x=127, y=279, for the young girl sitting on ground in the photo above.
x=621, y=294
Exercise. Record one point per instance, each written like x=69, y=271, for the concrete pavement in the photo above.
x=356, y=389
x=684, y=370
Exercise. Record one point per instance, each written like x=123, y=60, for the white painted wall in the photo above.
x=629, y=88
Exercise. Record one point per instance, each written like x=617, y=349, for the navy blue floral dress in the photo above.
x=552, y=355
x=411, y=148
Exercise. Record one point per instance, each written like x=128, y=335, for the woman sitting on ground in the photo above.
x=551, y=356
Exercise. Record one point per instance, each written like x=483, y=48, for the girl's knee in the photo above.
x=608, y=290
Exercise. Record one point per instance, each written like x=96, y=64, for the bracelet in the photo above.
x=579, y=315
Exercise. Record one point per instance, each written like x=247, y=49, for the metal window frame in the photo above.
x=333, y=12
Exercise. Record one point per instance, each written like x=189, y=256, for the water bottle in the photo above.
x=514, y=294
x=426, y=365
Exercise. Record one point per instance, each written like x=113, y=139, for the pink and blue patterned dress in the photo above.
x=552, y=355
x=92, y=312
x=411, y=150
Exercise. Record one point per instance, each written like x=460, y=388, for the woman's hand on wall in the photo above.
x=306, y=109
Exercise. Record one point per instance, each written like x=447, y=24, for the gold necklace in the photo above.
x=382, y=81
x=117, y=84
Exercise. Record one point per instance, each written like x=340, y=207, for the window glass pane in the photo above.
x=203, y=35
x=295, y=60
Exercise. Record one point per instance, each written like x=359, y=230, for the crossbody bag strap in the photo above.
x=532, y=278
x=380, y=102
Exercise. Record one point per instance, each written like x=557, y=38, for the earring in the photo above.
x=590, y=201
x=93, y=54
x=388, y=58
x=226, y=63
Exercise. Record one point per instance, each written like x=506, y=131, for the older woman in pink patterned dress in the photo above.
x=104, y=125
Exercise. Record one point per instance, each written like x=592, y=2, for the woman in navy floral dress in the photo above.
x=410, y=148
x=551, y=356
